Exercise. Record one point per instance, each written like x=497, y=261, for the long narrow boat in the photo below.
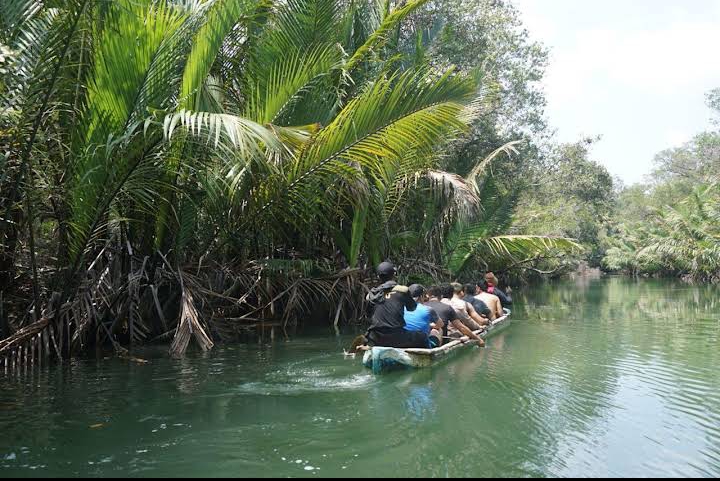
x=383, y=359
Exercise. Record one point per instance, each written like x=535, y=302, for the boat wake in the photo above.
x=306, y=381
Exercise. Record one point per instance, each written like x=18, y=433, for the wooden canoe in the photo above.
x=383, y=359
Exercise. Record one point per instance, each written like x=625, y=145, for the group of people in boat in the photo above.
x=418, y=317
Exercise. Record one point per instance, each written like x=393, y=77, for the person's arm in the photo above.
x=491, y=310
x=475, y=316
x=499, y=308
x=406, y=298
x=434, y=319
x=467, y=332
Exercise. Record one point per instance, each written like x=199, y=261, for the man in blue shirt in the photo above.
x=423, y=318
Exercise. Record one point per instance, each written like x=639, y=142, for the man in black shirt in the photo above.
x=446, y=314
x=387, y=304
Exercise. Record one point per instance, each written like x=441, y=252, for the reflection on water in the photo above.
x=598, y=378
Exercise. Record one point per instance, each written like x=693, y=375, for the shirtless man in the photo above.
x=447, y=315
x=493, y=288
x=492, y=301
x=453, y=297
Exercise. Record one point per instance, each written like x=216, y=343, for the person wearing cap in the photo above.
x=387, y=305
x=423, y=319
x=492, y=301
x=493, y=289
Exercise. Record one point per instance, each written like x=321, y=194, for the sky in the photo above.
x=632, y=71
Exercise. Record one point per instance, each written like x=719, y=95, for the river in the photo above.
x=609, y=377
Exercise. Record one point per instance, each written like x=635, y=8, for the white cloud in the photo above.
x=677, y=138
x=633, y=72
x=540, y=26
x=652, y=61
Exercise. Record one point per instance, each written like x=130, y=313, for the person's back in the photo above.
x=492, y=288
x=449, y=299
x=479, y=306
x=444, y=312
x=459, y=305
x=419, y=319
x=388, y=303
x=492, y=301
x=423, y=318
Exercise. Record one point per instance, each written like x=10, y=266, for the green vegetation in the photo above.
x=666, y=227
x=670, y=226
x=179, y=169
x=569, y=195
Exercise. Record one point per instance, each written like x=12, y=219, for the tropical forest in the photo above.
x=184, y=180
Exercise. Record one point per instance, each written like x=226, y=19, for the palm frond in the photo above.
x=508, y=149
x=464, y=201
x=247, y=137
x=380, y=36
x=472, y=243
x=129, y=81
x=275, y=89
x=398, y=118
x=221, y=18
x=301, y=25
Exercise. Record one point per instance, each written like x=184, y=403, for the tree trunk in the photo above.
x=4, y=328
x=11, y=217
x=8, y=246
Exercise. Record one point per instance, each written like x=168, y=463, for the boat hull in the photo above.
x=385, y=359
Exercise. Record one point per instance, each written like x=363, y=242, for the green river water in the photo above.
x=596, y=378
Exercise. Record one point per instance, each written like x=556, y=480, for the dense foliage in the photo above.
x=180, y=168
x=670, y=225
x=570, y=195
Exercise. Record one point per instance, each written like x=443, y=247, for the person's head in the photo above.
x=447, y=291
x=491, y=279
x=386, y=271
x=483, y=286
x=458, y=289
x=470, y=289
x=417, y=292
x=435, y=292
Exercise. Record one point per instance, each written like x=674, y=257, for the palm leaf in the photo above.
x=399, y=118
x=380, y=36
x=358, y=233
x=273, y=91
x=126, y=84
x=508, y=149
x=221, y=18
x=471, y=243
